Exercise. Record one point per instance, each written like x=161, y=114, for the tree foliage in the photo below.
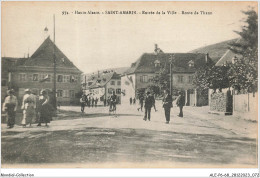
x=243, y=73
x=161, y=80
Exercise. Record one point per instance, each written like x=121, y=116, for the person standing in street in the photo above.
x=131, y=100
x=10, y=106
x=89, y=101
x=86, y=100
x=28, y=107
x=134, y=101
x=92, y=102
x=83, y=102
x=167, y=105
x=113, y=101
x=180, y=103
x=141, y=101
x=149, y=101
x=96, y=101
x=44, y=108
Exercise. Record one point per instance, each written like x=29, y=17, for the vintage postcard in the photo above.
x=129, y=85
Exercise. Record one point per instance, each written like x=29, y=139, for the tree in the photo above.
x=155, y=89
x=245, y=69
x=162, y=80
x=243, y=73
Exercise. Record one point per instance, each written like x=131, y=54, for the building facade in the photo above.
x=37, y=73
x=102, y=85
x=184, y=65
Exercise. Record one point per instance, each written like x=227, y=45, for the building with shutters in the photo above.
x=141, y=73
x=36, y=72
x=102, y=84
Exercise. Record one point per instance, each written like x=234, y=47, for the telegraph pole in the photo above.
x=171, y=60
x=54, y=67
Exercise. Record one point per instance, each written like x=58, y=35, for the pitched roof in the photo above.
x=227, y=57
x=101, y=79
x=8, y=63
x=43, y=56
x=216, y=51
x=146, y=63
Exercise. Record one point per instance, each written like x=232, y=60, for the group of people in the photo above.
x=148, y=101
x=111, y=101
x=35, y=108
x=89, y=101
x=132, y=100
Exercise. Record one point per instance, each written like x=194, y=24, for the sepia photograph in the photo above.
x=129, y=85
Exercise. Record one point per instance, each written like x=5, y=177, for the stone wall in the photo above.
x=218, y=102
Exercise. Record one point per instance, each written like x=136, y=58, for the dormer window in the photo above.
x=191, y=63
x=157, y=63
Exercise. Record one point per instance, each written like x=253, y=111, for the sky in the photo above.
x=99, y=41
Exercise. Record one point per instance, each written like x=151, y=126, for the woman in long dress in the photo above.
x=28, y=107
x=10, y=106
x=44, y=108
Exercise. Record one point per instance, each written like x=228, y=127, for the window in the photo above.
x=65, y=93
x=144, y=79
x=66, y=78
x=60, y=78
x=157, y=63
x=190, y=79
x=35, y=77
x=118, y=91
x=90, y=83
x=22, y=77
x=110, y=90
x=73, y=79
x=30, y=77
x=59, y=93
x=72, y=94
x=48, y=77
x=191, y=63
x=118, y=82
x=180, y=79
x=112, y=83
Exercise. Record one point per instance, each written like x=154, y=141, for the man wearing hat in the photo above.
x=148, y=103
x=180, y=103
x=167, y=105
x=28, y=107
x=10, y=106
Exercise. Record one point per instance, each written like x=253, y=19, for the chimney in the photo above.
x=156, y=48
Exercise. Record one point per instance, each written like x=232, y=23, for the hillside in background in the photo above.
x=216, y=51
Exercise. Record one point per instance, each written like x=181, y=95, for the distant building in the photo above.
x=141, y=73
x=36, y=73
x=102, y=85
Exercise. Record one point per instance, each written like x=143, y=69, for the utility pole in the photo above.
x=54, y=67
x=171, y=60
